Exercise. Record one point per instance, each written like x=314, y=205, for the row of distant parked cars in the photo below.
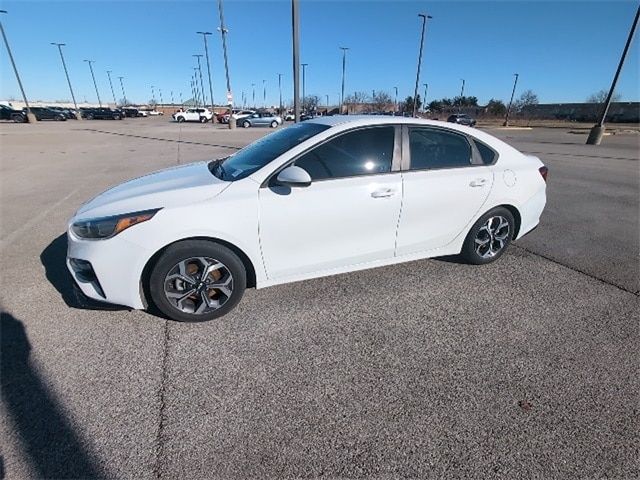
x=244, y=118
x=61, y=114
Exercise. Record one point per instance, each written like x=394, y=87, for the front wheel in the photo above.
x=180, y=119
x=204, y=119
x=274, y=124
x=246, y=124
x=489, y=237
x=197, y=281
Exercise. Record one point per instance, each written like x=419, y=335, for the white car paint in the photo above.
x=193, y=114
x=329, y=227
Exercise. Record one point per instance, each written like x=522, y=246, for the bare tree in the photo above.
x=527, y=99
x=310, y=103
x=601, y=97
x=381, y=102
x=356, y=98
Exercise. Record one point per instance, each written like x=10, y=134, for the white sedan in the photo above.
x=322, y=197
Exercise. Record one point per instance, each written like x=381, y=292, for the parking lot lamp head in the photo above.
x=30, y=117
x=424, y=17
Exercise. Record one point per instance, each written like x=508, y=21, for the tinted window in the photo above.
x=255, y=156
x=488, y=155
x=362, y=152
x=431, y=148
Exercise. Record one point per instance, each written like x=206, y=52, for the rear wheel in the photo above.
x=489, y=237
x=196, y=281
x=246, y=124
x=274, y=124
x=204, y=119
x=180, y=119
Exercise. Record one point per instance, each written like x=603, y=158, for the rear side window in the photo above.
x=487, y=154
x=433, y=149
x=361, y=152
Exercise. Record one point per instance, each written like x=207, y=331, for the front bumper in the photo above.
x=108, y=270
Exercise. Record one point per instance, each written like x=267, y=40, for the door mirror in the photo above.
x=293, y=176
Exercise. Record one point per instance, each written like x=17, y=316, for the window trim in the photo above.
x=395, y=159
x=474, y=161
x=496, y=155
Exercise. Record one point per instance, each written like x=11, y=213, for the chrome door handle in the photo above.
x=479, y=182
x=385, y=193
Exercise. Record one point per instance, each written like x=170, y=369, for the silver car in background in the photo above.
x=261, y=119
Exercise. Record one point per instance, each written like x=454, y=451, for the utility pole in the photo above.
x=223, y=32
x=115, y=102
x=424, y=99
x=172, y=102
x=64, y=65
x=253, y=95
x=344, y=65
x=506, y=118
x=395, y=102
x=181, y=101
x=31, y=118
x=415, y=92
x=206, y=53
x=204, y=97
x=153, y=94
x=304, y=83
x=597, y=131
x=295, y=23
x=280, y=93
x=264, y=94
x=124, y=96
x=94, y=80
x=327, y=103
x=160, y=93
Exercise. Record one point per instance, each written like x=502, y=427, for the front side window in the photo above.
x=361, y=152
x=260, y=153
x=433, y=149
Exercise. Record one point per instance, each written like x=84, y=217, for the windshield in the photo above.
x=255, y=156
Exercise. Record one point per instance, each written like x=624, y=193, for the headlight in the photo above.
x=106, y=227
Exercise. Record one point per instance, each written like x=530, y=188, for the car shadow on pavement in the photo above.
x=53, y=258
x=46, y=435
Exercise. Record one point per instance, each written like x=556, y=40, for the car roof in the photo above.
x=365, y=120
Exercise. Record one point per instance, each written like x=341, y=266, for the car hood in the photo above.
x=167, y=188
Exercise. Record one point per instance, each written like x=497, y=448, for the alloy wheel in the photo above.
x=492, y=237
x=198, y=285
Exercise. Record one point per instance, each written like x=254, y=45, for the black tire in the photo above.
x=204, y=119
x=246, y=124
x=185, y=250
x=19, y=118
x=274, y=124
x=494, y=246
x=180, y=119
x=90, y=116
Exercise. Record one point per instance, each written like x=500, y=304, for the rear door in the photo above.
x=445, y=184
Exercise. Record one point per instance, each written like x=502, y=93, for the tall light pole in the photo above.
x=124, y=95
x=223, y=32
x=280, y=93
x=415, y=92
x=111, y=85
x=461, y=96
x=198, y=91
x=253, y=94
x=66, y=72
x=193, y=93
x=344, y=65
x=204, y=97
x=172, y=102
x=506, y=118
x=597, y=131
x=395, y=102
x=94, y=80
x=153, y=94
x=181, y=101
x=206, y=53
x=424, y=99
x=264, y=94
x=327, y=103
x=295, y=30
x=160, y=93
x=30, y=116
x=304, y=81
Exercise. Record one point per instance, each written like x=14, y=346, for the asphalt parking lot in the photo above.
x=526, y=368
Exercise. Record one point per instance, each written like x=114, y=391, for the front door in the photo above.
x=347, y=216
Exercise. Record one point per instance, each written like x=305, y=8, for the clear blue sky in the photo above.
x=563, y=51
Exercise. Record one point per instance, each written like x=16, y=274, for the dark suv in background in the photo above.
x=101, y=114
x=44, y=113
x=8, y=113
x=462, y=119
